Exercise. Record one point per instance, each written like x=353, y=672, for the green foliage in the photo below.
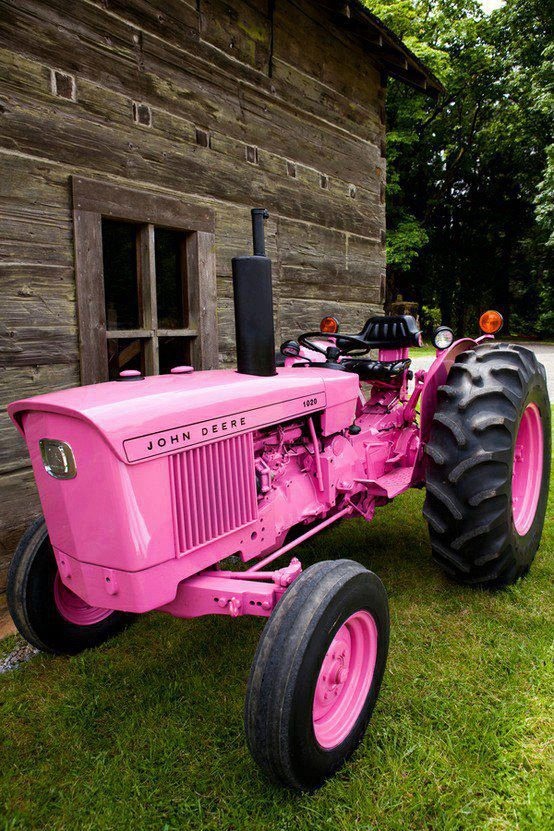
x=544, y=200
x=545, y=325
x=545, y=322
x=431, y=317
x=405, y=242
x=470, y=185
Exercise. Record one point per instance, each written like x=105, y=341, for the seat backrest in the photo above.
x=391, y=331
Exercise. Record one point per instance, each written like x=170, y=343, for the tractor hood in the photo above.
x=162, y=414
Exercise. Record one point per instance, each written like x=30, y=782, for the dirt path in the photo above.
x=6, y=623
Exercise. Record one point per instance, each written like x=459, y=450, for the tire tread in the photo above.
x=469, y=464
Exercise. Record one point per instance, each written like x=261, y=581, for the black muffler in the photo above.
x=253, y=296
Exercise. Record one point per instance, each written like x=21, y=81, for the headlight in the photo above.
x=443, y=337
x=58, y=459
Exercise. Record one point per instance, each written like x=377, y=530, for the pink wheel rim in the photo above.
x=344, y=679
x=75, y=610
x=527, y=471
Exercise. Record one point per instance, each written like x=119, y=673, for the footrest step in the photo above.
x=391, y=484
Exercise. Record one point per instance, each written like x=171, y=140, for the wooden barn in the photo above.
x=135, y=137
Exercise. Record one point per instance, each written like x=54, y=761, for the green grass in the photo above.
x=425, y=351
x=146, y=732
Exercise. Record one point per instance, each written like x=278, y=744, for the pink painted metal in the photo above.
x=182, y=370
x=344, y=680
x=527, y=470
x=73, y=609
x=211, y=594
x=299, y=540
x=436, y=377
x=177, y=472
x=214, y=490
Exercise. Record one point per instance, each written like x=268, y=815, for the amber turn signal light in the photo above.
x=491, y=322
x=329, y=325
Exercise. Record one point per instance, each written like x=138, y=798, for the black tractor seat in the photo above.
x=389, y=332
x=380, y=332
x=384, y=332
x=369, y=370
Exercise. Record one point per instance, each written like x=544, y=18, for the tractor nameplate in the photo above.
x=188, y=435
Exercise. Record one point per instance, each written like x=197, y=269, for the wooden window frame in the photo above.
x=94, y=200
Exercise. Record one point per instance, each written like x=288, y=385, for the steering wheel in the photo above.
x=355, y=344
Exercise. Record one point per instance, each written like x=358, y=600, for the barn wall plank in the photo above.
x=317, y=262
x=20, y=505
x=157, y=161
x=240, y=28
x=306, y=42
x=21, y=382
x=154, y=156
x=174, y=21
x=366, y=263
x=35, y=224
x=19, y=499
x=118, y=56
x=38, y=324
x=239, y=32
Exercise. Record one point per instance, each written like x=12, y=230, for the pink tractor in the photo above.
x=180, y=492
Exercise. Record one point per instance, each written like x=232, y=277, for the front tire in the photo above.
x=46, y=613
x=316, y=674
x=488, y=466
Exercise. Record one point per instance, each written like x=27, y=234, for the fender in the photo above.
x=435, y=377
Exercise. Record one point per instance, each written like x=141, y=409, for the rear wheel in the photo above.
x=317, y=672
x=47, y=613
x=488, y=467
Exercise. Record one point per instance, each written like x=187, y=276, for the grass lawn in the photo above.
x=425, y=351
x=146, y=732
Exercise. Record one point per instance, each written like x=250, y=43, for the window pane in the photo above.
x=120, y=274
x=125, y=353
x=173, y=352
x=169, y=279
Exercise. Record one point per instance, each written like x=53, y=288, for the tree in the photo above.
x=469, y=191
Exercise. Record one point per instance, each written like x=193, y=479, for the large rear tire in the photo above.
x=46, y=613
x=316, y=674
x=488, y=466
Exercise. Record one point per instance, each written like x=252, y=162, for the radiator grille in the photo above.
x=214, y=490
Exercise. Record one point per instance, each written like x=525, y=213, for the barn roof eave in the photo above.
x=389, y=50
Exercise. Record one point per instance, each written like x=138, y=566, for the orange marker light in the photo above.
x=491, y=322
x=329, y=325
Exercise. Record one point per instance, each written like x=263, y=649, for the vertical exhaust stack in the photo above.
x=253, y=296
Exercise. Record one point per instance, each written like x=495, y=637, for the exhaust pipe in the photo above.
x=253, y=297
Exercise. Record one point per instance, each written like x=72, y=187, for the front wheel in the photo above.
x=48, y=614
x=316, y=674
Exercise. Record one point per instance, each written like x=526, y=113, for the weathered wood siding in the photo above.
x=293, y=107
